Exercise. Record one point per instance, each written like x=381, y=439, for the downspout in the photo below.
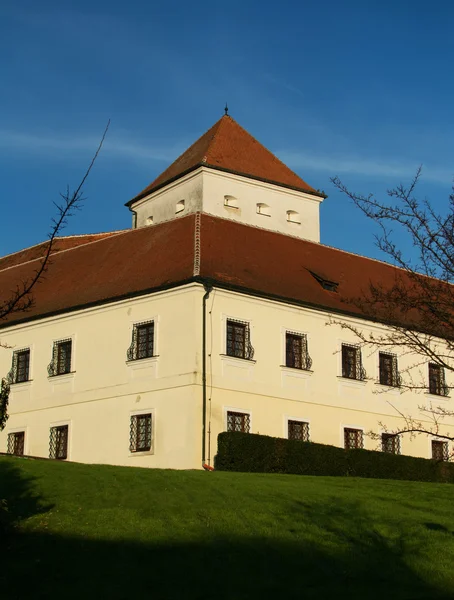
x=208, y=289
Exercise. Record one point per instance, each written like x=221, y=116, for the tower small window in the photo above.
x=231, y=202
x=180, y=207
x=263, y=209
x=149, y=221
x=293, y=217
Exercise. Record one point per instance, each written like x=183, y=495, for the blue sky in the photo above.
x=358, y=89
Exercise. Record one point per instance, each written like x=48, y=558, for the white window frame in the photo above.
x=144, y=411
x=69, y=423
x=350, y=426
x=244, y=411
x=288, y=418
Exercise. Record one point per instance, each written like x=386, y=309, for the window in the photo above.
x=298, y=430
x=238, y=340
x=238, y=421
x=263, y=209
x=388, y=372
x=149, y=220
x=179, y=207
x=296, y=353
x=390, y=443
x=140, y=433
x=440, y=450
x=353, y=438
x=351, y=362
x=293, y=217
x=437, y=384
x=142, y=345
x=16, y=443
x=58, y=445
x=20, y=370
x=231, y=202
x=61, y=358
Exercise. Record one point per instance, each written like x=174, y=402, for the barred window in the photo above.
x=353, y=438
x=20, y=369
x=140, y=433
x=238, y=421
x=15, y=444
x=238, y=340
x=390, y=443
x=58, y=444
x=440, y=450
x=389, y=374
x=61, y=358
x=296, y=352
x=298, y=430
x=142, y=345
x=352, y=367
x=437, y=383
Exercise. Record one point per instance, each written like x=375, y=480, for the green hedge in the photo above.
x=254, y=453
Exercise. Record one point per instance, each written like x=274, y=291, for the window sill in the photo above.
x=142, y=363
x=389, y=389
x=296, y=370
x=263, y=215
x=437, y=396
x=21, y=384
x=141, y=453
x=62, y=377
x=238, y=358
x=354, y=382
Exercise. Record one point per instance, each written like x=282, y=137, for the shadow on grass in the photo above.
x=349, y=558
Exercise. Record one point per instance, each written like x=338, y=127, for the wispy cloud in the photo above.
x=53, y=146
x=366, y=167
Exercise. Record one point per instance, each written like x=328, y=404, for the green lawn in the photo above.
x=80, y=531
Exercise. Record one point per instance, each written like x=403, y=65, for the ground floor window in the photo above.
x=238, y=421
x=16, y=442
x=140, y=433
x=298, y=430
x=353, y=438
x=440, y=450
x=58, y=444
x=390, y=443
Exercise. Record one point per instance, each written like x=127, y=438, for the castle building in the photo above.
x=218, y=310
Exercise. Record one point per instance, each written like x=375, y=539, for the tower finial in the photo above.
x=226, y=109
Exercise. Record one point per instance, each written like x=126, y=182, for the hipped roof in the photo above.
x=230, y=254
x=228, y=147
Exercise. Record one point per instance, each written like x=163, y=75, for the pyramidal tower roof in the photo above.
x=228, y=147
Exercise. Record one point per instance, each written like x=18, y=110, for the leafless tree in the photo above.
x=21, y=299
x=418, y=306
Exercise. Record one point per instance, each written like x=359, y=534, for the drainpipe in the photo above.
x=208, y=289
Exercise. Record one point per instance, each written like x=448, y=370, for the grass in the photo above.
x=83, y=531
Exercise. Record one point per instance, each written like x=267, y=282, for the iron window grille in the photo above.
x=58, y=443
x=142, y=344
x=440, y=450
x=238, y=421
x=352, y=367
x=437, y=382
x=20, y=368
x=239, y=340
x=390, y=443
x=15, y=443
x=140, y=433
x=388, y=370
x=61, y=358
x=296, y=352
x=353, y=438
x=298, y=430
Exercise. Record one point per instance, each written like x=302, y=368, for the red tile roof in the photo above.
x=232, y=255
x=229, y=147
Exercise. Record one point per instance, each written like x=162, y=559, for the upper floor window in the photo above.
x=16, y=442
x=440, y=450
x=179, y=207
x=140, y=433
x=263, y=209
x=298, y=430
x=142, y=345
x=293, y=217
x=388, y=371
x=352, y=367
x=238, y=340
x=390, y=443
x=437, y=383
x=296, y=353
x=238, y=421
x=61, y=358
x=353, y=438
x=20, y=369
x=58, y=443
x=231, y=202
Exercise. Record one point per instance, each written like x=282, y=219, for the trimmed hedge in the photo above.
x=253, y=453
